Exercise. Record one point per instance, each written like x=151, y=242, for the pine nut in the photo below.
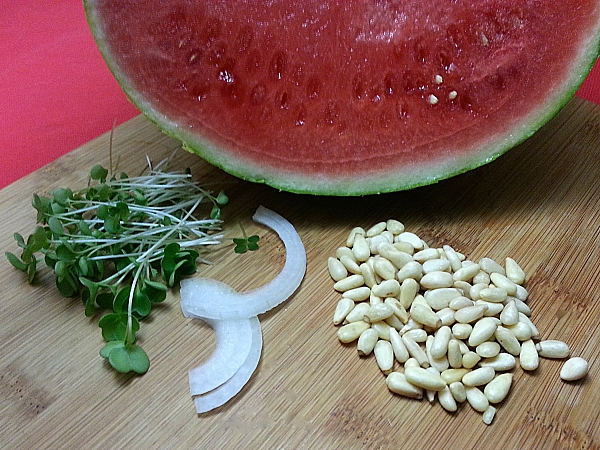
x=425, y=315
x=470, y=359
x=351, y=282
x=343, y=308
x=528, y=358
x=439, y=347
x=411, y=238
x=464, y=288
x=435, y=280
x=447, y=400
x=521, y=330
x=460, y=302
x=508, y=341
x=411, y=269
x=376, y=229
x=344, y=251
x=476, y=398
x=490, y=266
x=430, y=394
x=462, y=330
x=375, y=241
x=436, y=265
x=497, y=389
x=441, y=298
x=514, y=271
x=476, y=289
x=482, y=277
x=446, y=315
x=466, y=273
x=352, y=331
x=400, y=351
x=404, y=247
x=366, y=342
x=488, y=415
x=352, y=235
x=479, y=377
x=458, y=391
x=424, y=378
x=417, y=335
x=522, y=293
x=394, y=322
x=378, y=312
x=551, y=348
x=395, y=256
x=493, y=294
x=394, y=226
x=454, y=354
x=469, y=314
x=337, y=271
x=350, y=264
x=384, y=268
x=384, y=355
x=483, y=330
x=441, y=363
x=510, y=313
x=358, y=312
x=488, y=349
x=502, y=282
x=415, y=350
x=408, y=291
x=358, y=294
x=360, y=248
x=368, y=274
x=574, y=369
x=535, y=334
x=522, y=307
x=426, y=255
x=501, y=362
x=453, y=257
x=397, y=308
x=452, y=375
x=492, y=309
x=383, y=329
x=396, y=382
x=387, y=288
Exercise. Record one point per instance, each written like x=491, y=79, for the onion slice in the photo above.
x=234, y=385
x=212, y=299
x=233, y=341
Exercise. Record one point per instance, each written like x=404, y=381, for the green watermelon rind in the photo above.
x=378, y=183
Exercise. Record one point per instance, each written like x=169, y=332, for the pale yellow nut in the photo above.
x=394, y=226
x=502, y=282
x=483, y=330
x=497, y=389
x=404, y=247
x=514, y=271
x=436, y=280
x=387, y=288
x=350, y=282
x=488, y=415
x=458, y=391
x=378, y=312
x=383, y=329
x=439, y=347
x=508, y=341
x=394, y=322
x=374, y=300
x=492, y=309
x=337, y=271
x=521, y=330
x=490, y=266
x=415, y=351
x=501, y=362
x=436, y=265
x=360, y=248
x=358, y=294
x=441, y=363
x=350, y=264
x=352, y=331
x=479, y=377
x=574, y=369
x=344, y=251
x=384, y=355
x=522, y=307
x=552, y=348
x=425, y=315
x=400, y=352
x=343, y=308
x=412, y=239
x=375, y=241
x=464, y=288
x=447, y=400
x=424, y=378
x=366, y=342
x=470, y=314
x=376, y=229
x=453, y=257
x=470, y=359
x=466, y=272
x=460, y=303
x=528, y=357
x=510, y=314
x=441, y=298
x=396, y=257
x=522, y=293
x=482, y=277
x=358, y=312
x=488, y=349
x=535, y=334
x=408, y=291
x=368, y=274
x=397, y=383
x=452, y=375
x=476, y=288
x=462, y=330
x=454, y=354
x=417, y=335
x=384, y=268
x=476, y=398
x=352, y=235
x=426, y=255
x=446, y=315
x=493, y=294
x=411, y=269
x=397, y=308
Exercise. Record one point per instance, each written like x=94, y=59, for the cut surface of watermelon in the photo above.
x=348, y=97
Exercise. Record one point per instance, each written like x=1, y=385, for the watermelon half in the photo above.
x=348, y=97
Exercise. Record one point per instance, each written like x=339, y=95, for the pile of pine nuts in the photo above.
x=438, y=324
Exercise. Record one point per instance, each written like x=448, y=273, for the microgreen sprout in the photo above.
x=120, y=244
x=246, y=242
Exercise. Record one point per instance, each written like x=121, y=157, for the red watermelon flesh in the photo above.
x=348, y=97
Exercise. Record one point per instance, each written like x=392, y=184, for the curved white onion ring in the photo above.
x=208, y=298
x=233, y=342
x=234, y=317
x=231, y=387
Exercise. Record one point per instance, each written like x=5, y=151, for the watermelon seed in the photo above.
x=452, y=95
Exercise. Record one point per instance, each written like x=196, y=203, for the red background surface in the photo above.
x=56, y=92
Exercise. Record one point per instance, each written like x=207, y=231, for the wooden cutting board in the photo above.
x=539, y=203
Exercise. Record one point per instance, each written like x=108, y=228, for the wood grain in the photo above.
x=539, y=203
